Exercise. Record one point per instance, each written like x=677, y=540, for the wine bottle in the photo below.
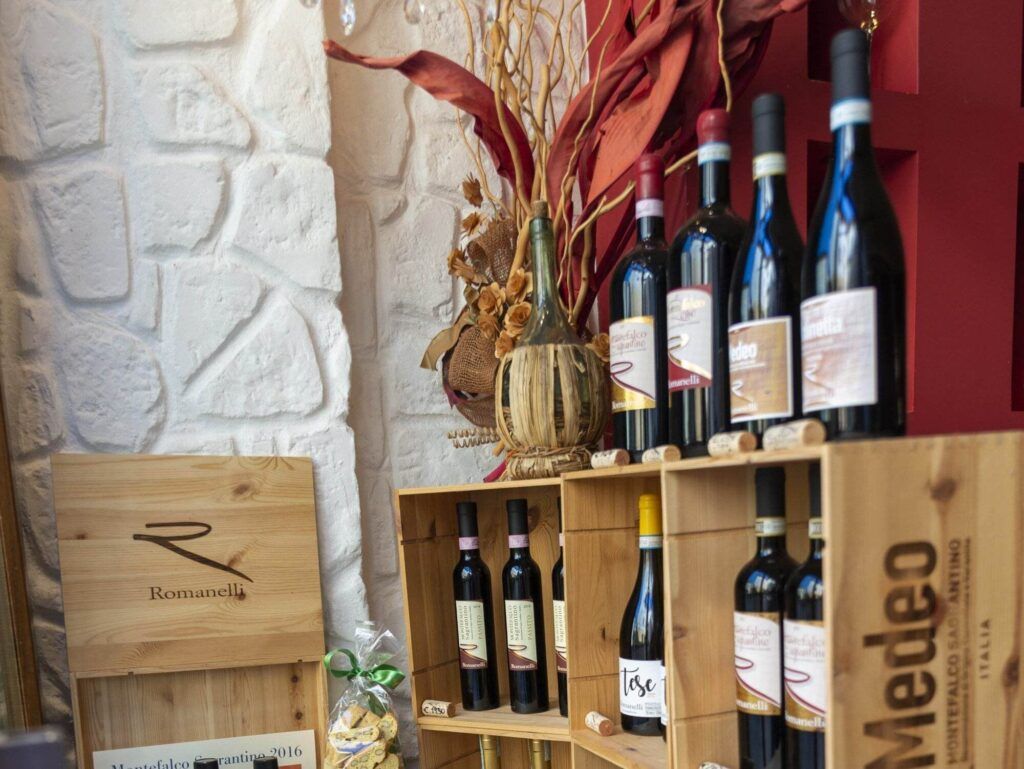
x=803, y=643
x=757, y=624
x=540, y=754
x=764, y=335
x=474, y=613
x=524, y=617
x=700, y=269
x=641, y=637
x=638, y=366
x=265, y=762
x=206, y=763
x=558, y=609
x=490, y=752
x=853, y=325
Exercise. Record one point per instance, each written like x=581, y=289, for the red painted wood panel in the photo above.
x=949, y=125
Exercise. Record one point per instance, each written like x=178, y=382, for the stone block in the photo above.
x=144, y=312
x=175, y=203
x=156, y=23
x=36, y=422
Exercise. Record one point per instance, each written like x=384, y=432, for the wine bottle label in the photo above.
x=769, y=164
x=650, y=207
x=664, y=696
x=770, y=527
x=650, y=542
x=816, y=529
x=518, y=540
x=758, y=650
x=469, y=543
x=760, y=381
x=804, y=644
x=632, y=364
x=469, y=616
x=690, y=344
x=561, y=638
x=640, y=684
x=713, y=152
x=521, y=631
x=849, y=111
x=839, y=350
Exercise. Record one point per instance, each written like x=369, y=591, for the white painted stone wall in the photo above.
x=169, y=262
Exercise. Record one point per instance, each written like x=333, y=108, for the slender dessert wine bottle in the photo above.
x=524, y=617
x=474, y=613
x=558, y=608
x=764, y=337
x=757, y=623
x=638, y=366
x=853, y=325
x=803, y=643
x=641, y=638
x=700, y=269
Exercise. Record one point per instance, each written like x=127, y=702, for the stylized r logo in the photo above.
x=168, y=543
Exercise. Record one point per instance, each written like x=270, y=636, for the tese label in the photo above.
x=690, y=344
x=759, y=376
x=804, y=649
x=632, y=364
x=758, y=658
x=838, y=348
x=521, y=632
x=561, y=639
x=473, y=650
x=640, y=687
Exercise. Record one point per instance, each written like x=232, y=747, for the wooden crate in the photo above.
x=237, y=649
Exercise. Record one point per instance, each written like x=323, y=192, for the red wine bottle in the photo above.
x=642, y=635
x=474, y=613
x=206, y=763
x=757, y=624
x=853, y=325
x=638, y=367
x=764, y=335
x=558, y=608
x=265, y=762
x=524, y=617
x=803, y=642
x=700, y=269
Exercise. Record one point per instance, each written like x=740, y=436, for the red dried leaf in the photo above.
x=447, y=81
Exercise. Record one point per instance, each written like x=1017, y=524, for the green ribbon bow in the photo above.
x=386, y=675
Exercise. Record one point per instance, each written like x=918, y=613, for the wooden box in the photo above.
x=191, y=598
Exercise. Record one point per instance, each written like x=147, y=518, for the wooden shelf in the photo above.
x=502, y=722
x=620, y=749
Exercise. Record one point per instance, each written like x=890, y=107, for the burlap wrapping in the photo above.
x=473, y=365
x=492, y=252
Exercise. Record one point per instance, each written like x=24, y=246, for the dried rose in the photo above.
x=504, y=345
x=491, y=299
x=457, y=265
x=519, y=285
x=601, y=345
x=488, y=325
x=471, y=190
x=471, y=223
x=516, y=317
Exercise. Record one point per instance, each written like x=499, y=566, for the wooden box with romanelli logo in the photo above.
x=191, y=598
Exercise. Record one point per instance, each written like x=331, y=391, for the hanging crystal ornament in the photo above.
x=348, y=16
x=414, y=10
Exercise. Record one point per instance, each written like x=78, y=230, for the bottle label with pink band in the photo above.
x=650, y=207
x=518, y=540
x=469, y=543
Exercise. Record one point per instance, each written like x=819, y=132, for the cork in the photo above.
x=440, y=708
x=666, y=453
x=792, y=435
x=599, y=723
x=609, y=458
x=727, y=444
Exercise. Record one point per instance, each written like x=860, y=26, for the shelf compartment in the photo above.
x=626, y=751
x=502, y=722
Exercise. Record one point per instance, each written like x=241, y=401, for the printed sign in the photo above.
x=293, y=750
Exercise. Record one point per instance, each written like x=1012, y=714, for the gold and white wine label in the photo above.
x=690, y=344
x=561, y=637
x=758, y=650
x=640, y=683
x=790, y=435
x=849, y=111
x=769, y=164
x=727, y=444
x=609, y=458
x=806, y=703
x=760, y=382
x=632, y=364
x=521, y=632
x=770, y=527
x=839, y=349
x=469, y=616
x=650, y=207
x=714, y=152
x=816, y=528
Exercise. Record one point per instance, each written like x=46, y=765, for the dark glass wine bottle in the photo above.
x=853, y=316
x=206, y=763
x=757, y=622
x=524, y=617
x=558, y=608
x=265, y=762
x=803, y=642
x=474, y=613
x=638, y=366
x=764, y=335
x=700, y=269
x=641, y=637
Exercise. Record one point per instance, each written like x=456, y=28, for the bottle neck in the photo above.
x=714, y=183
x=817, y=549
x=650, y=220
x=771, y=545
x=769, y=192
x=470, y=554
x=548, y=323
x=851, y=141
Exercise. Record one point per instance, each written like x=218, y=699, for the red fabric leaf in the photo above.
x=447, y=81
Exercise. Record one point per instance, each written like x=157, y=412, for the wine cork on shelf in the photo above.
x=793, y=435
x=599, y=723
x=609, y=458
x=666, y=453
x=727, y=444
x=440, y=708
